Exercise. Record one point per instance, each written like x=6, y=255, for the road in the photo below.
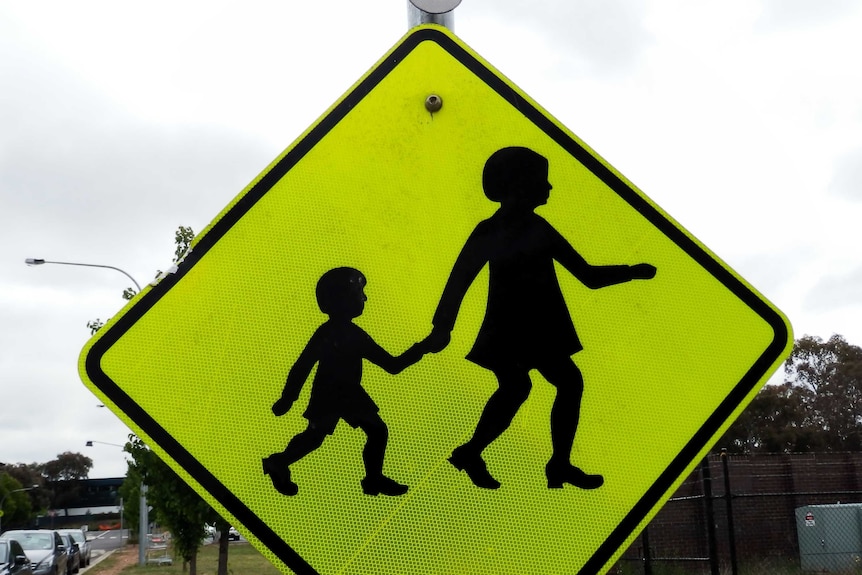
x=102, y=542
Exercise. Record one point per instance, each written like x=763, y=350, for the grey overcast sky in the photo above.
x=120, y=121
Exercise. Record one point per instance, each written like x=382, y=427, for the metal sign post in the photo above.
x=431, y=12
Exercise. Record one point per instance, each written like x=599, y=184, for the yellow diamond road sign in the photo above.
x=542, y=356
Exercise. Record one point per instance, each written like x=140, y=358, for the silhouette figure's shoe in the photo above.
x=561, y=474
x=475, y=468
x=280, y=476
x=382, y=485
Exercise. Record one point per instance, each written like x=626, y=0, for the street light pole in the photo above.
x=144, y=519
x=143, y=527
x=3, y=500
x=40, y=261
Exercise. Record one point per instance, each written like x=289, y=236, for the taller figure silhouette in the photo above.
x=527, y=323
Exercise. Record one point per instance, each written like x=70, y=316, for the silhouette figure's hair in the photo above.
x=337, y=287
x=508, y=170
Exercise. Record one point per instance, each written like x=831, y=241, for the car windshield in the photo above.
x=32, y=541
x=4, y=552
x=77, y=536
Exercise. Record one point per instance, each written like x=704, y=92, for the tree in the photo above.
x=58, y=479
x=176, y=504
x=222, y=526
x=817, y=408
x=774, y=422
x=67, y=466
x=17, y=507
x=63, y=475
x=27, y=475
x=130, y=491
x=832, y=371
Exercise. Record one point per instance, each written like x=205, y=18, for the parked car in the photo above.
x=210, y=531
x=44, y=549
x=79, y=536
x=13, y=560
x=232, y=534
x=73, y=554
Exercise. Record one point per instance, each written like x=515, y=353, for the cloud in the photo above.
x=835, y=291
x=772, y=273
x=76, y=166
x=847, y=178
x=804, y=13
x=86, y=177
x=604, y=37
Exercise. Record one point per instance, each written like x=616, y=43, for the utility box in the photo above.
x=830, y=537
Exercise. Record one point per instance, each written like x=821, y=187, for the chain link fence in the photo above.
x=772, y=514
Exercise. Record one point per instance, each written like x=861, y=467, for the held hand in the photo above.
x=282, y=406
x=436, y=341
x=643, y=272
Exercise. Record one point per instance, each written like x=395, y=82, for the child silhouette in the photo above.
x=338, y=347
x=527, y=323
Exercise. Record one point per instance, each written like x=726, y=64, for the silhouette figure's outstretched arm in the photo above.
x=595, y=277
x=296, y=378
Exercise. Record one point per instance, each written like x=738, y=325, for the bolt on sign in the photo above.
x=438, y=334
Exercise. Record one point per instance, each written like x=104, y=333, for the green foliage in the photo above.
x=17, y=508
x=245, y=560
x=68, y=466
x=183, y=239
x=130, y=491
x=176, y=505
x=28, y=475
x=832, y=370
x=61, y=478
x=58, y=482
x=95, y=325
x=817, y=408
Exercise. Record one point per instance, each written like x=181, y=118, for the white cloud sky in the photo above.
x=121, y=121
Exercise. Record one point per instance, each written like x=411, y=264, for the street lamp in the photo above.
x=144, y=510
x=39, y=262
x=91, y=442
x=3, y=500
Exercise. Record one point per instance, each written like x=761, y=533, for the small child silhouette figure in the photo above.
x=338, y=347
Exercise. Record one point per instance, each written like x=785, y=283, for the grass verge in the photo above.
x=243, y=559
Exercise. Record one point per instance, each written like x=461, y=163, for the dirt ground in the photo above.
x=118, y=561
